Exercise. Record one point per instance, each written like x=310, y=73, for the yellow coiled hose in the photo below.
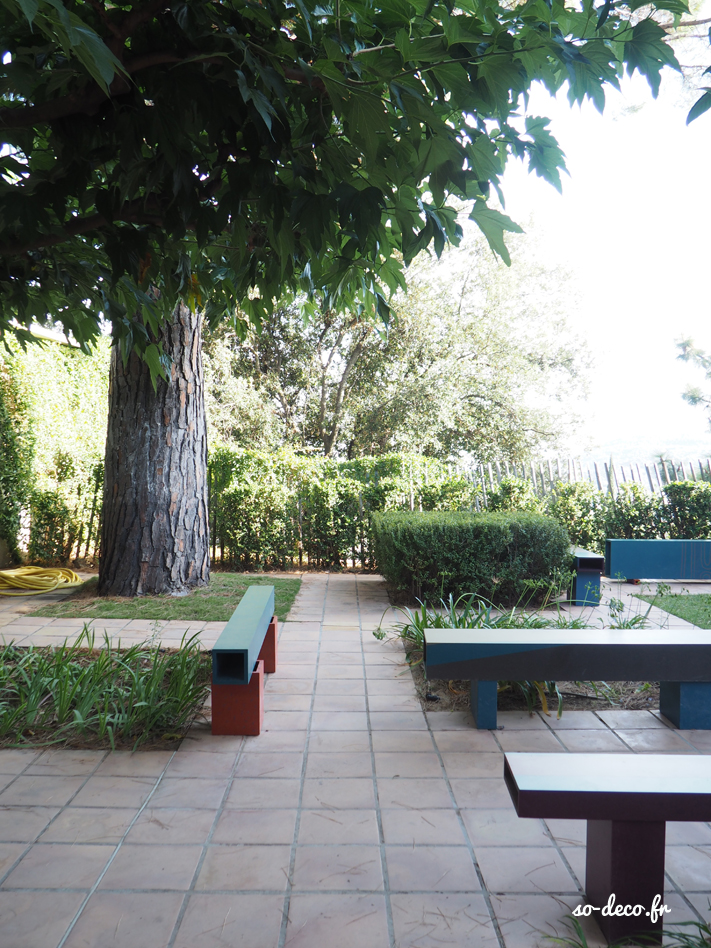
x=33, y=580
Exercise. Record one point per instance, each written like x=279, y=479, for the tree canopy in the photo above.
x=700, y=359
x=228, y=152
x=480, y=359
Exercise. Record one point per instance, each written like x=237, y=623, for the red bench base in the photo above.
x=268, y=652
x=239, y=709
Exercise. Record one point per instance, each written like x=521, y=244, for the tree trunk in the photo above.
x=155, y=531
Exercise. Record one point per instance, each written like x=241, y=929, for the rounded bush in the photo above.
x=503, y=557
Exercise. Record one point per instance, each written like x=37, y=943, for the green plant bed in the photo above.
x=82, y=696
x=693, y=607
x=213, y=603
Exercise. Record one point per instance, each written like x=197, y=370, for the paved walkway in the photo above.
x=354, y=821
x=19, y=626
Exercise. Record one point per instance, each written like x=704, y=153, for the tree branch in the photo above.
x=105, y=19
x=296, y=75
x=341, y=393
x=688, y=23
x=140, y=15
x=132, y=213
x=85, y=102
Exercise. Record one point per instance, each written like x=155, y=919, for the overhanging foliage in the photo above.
x=228, y=151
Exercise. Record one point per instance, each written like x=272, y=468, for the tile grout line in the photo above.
x=111, y=858
x=318, y=892
x=299, y=806
x=376, y=794
x=554, y=841
x=218, y=813
x=56, y=816
x=486, y=895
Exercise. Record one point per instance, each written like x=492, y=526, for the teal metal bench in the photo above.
x=658, y=559
x=245, y=650
x=680, y=659
x=588, y=568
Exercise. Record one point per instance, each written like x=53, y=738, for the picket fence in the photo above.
x=653, y=476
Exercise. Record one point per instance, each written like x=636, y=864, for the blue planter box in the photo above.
x=658, y=559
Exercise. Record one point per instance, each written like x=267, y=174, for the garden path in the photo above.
x=19, y=626
x=353, y=820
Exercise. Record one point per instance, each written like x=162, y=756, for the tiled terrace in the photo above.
x=354, y=821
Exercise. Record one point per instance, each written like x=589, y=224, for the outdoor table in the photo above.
x=626, y=800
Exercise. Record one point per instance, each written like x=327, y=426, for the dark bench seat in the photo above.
x=679, y=659
x=245, y=650
x=626, y=800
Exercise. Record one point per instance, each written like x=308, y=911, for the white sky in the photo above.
x=633, y=225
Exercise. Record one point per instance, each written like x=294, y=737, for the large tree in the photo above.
x=478, y=358
x=166, y=158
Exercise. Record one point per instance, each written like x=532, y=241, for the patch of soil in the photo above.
x=627, y=695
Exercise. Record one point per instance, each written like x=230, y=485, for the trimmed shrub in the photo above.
x=502, y=557
x=592, y=516
x=15, y=459
x=280, y=509
x=514, y=493
x=688, y=510
x=53, y=529
x=634, y=514
x=581, y=509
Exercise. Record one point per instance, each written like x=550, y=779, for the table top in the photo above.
x=610, y=786
x=543, y=638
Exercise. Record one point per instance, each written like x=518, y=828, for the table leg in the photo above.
x=586, y=588
x=625, y=860
x=687, y=704
x=483, y=704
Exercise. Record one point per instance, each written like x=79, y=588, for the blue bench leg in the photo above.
x=586, y=588
x=483, y=704
x=686, y=704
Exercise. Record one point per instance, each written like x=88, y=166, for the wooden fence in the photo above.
x=653, y=476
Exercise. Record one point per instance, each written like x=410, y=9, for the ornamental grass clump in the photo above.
x=472, y=612
x=112, y=696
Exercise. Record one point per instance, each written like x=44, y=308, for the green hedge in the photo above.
x=281, y=509
x=681, y=512
x=15, y=459
x=503, y=557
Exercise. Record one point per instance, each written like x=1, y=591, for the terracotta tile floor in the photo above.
x=353, y=821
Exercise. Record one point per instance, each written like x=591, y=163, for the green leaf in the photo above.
x=677, y=7
x=155, y=360
x=648, y=53
x=700, y=106
x=545, y=156
x=366, y=117
x=58, y=23
x=494, y=225
x=97, y=58
x=28, y=7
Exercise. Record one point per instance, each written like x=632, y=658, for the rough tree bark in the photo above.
x=155, y=532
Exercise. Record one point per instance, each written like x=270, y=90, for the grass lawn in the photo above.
x=213, y=603
x=694, y=607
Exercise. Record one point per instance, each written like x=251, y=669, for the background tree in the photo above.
x=478, y=359
x=694, y=394
x=166, y=156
